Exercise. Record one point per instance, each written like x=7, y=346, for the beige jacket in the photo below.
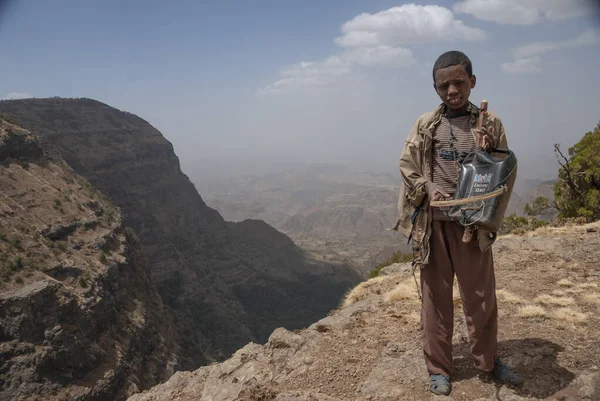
x=416, y=168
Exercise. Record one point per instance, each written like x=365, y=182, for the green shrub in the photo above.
x=540, y=205
x=513, y=224
x=577, y=191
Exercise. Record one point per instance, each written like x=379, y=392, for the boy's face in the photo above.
x=453, y=85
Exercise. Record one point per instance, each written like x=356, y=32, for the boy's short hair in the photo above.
x=450, y=58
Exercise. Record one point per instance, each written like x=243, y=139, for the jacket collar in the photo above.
x=432, y=122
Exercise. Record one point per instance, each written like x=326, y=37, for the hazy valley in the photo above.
x=341, y=212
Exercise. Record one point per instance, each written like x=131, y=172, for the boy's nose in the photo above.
x=452, y=90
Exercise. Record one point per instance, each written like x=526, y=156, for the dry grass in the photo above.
x=569, y=315
x=565, y=282
x=591, y=298
x=509, y=297
x=531, y=311
x=404, y=290
x=568, y=228
x=554, y=301
x=585, y=286
x=414, y=316
x=363, y=290
x=559, y=293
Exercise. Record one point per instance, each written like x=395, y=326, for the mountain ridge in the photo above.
x=225, y=283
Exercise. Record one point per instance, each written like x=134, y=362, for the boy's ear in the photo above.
x=473, y=80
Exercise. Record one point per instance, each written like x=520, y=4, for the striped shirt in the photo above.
x=445, y=171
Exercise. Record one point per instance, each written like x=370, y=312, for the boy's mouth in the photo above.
x=454, y=101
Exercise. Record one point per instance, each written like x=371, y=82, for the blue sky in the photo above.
x=223, y=79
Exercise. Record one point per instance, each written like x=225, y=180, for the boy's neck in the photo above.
x=452, y=113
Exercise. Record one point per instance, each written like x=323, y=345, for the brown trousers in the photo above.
x=475, y=274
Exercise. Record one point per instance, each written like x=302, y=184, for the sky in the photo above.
x=313, y=80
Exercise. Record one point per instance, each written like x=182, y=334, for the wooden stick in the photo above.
x=470, y=199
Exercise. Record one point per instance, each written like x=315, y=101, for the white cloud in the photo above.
x=526, y=65
x=308, y=76
x=375, y=40
x=587, y=38
x=16, y=95
x=524, y=12
x=405, y=25
x=527, y=57
x=379, y=56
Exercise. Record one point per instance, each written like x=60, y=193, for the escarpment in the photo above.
x=79, y=316
x=225, y=283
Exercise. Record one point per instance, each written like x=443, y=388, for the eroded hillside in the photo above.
x=80, y=319
x=548, y=287
x=225, y=283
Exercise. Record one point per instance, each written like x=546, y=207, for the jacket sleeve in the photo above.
x=411, y=167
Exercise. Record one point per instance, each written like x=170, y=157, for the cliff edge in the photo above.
x=548, y=288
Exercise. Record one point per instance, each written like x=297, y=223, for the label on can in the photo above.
x=481, y=183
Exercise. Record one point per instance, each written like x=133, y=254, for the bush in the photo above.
x=513, y=224
x=539, y=206
x=397, y=257
x=577, y=191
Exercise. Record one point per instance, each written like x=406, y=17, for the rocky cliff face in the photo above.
x=79, y=317
x=225, y=283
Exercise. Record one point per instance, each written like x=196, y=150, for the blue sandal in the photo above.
x=504, y=374
x=439, y=384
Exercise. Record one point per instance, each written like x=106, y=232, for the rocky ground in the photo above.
x=548, y=286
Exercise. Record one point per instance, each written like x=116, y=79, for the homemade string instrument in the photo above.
x=485, y=182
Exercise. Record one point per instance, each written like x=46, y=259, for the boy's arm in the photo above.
x=411, y=168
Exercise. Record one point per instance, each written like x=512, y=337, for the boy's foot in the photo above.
x=439, y=384
x=504, y=374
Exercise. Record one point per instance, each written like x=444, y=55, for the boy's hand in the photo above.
x=485, y=139
x=434, y=191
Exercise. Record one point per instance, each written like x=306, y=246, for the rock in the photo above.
x=341, y=317
x=304, y=396
x=59, y=232
x=395, y=269
x=588, y=385
x=506, y=394
x=282, y=338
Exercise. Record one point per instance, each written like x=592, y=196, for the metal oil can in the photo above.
x=483, y=172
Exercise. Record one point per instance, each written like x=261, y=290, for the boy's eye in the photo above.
x=443, y=87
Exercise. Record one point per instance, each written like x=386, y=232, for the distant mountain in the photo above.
x=337, y=211
x=538, y=188
x=225, y=283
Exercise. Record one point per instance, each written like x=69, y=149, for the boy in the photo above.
x=428, y=167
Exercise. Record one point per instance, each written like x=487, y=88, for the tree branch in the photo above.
x=568, y=169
